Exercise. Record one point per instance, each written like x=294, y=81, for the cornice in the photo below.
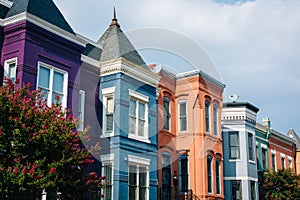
x=137, y=72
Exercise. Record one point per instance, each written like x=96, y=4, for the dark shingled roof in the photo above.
x=116, y=45
x=3, y=11
x=92, y=51
x=43, y=9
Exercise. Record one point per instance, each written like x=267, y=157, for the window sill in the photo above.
x=235, y=160
x=252, y=161
x=107, y=134
x=142, y=139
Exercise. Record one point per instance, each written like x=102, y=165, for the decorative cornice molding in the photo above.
x=90, y=61
x=137, y=72
x=6, y=3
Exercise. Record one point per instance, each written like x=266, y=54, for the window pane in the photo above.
x=215, y=119
x=141, y=127
x=141, y=110
x=209, y=174
x=207, y=121
x=236, y=190
x=109, y=105
x=233, y=139
x=132, y=125
x=182, y=109
x=108, y=187
x=58, y=81
x=218, y=183
x=132, y=182
x=109, y=122
x=12, y=71
x=44, y=77
x=184, y=174
x=132, y=108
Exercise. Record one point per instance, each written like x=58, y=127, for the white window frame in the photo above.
x=273, y=152
x=253, y=151
x=216, y=107
x=65, y=83
x=209, y=157
x=6, y=67
x=81, y=114
x=139, y=162
x=282, y=156
x=186, y=108
x=138, y=97
x=108, y=160
x=290, y=159
x=107, y=93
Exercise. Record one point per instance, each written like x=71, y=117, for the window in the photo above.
x=250, y=147
x=138, y=115
x=290, y=159
x=184, y=174
x=218, y=179
x=182, y=116
x=252, y=190
x=81, y=109
x=234, y=145
x=207, y=120
x=138, y=174
x=108, y=171
x=264, y=158
x=10, y=69
x=166, y=113
x=209, y=174
x=108, y=111
x=274, y=161
x=166, y=191
x=283, y=161
x=52, y=82
x=236, y=190
x=216, y=119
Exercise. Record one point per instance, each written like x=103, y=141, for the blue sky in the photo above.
x=253, y=44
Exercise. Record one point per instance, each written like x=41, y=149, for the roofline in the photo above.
x=44, y=24
x=6, y=3
x=283, y=136
x=202, y=74
x=240, y=104
x=100, y=46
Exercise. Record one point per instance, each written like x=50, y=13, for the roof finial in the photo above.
x=115, y=20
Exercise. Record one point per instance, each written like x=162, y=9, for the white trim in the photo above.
x=107, y=157
x=82, y=101
x=90, y=61
x=6, y=3
x=264, y=146
x=138, y=95
x=286, y=149
x=273, y=151
x=290, y=158
x=186, y=108
x=65, y=82
x=139, y=160
x=282, y=155
x=256, y=143
x=139, y=98
x=235, y=160
x=45, y=25
x=242, y=178
x=107, y=93
x=6, y=66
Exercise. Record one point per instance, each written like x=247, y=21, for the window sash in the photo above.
x=10, y=69
x=207, y=117
x=236, y=190
x=182, y=116
x=209, y=175
x=184, y=176
x=216, y=119
x=264, y=158
x=109, y=114
x=81, y=109
x=234, y=145
x=166, y=114
x=283, y=163
x=108, y=172
x=137, y=184
x=250, y=146
x=137, y=117
x=52, y=81
x=252, y=190
x=218, y=180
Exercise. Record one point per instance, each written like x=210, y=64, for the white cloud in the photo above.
x=255, y=44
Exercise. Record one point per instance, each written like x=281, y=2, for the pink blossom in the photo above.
x=52, y=169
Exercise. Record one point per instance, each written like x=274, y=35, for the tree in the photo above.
x=283, y=184
x=41, y=149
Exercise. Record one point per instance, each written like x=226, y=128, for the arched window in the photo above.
x=209, y=175
x=207, y=116
x=218, y=175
